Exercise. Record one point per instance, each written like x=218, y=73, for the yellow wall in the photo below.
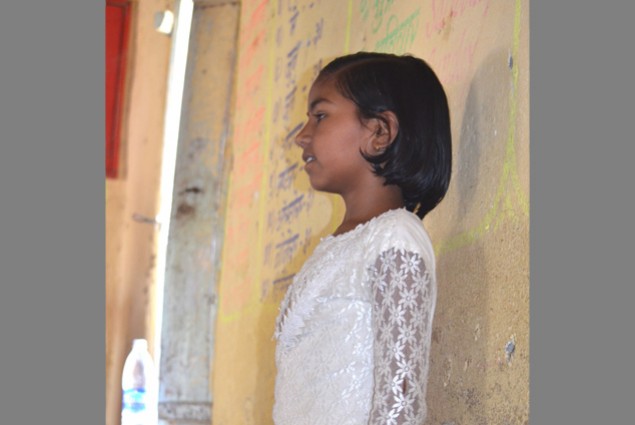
x=479, y=48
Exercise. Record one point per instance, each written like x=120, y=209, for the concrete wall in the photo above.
x=134, y=197
x=480, y=355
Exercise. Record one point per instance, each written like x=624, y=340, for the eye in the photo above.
x=319, y=116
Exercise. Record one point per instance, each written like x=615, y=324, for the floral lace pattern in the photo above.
x=402, y=312
x=354, y=328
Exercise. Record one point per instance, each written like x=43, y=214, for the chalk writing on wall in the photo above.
x=268, y=191
x=274, y=219
x=399, y=35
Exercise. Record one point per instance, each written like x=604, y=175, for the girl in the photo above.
x=353, y=333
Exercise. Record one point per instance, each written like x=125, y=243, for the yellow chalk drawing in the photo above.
x=349, y=20
x=264, y=187
x=509, y=175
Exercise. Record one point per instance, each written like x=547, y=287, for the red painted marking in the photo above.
x=117, y=31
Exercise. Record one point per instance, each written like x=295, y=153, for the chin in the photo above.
x=316, y=185
x=322, y=188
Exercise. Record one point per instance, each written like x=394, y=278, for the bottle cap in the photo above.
x=140, y=342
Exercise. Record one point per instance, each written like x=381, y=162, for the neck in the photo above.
x=363, y=206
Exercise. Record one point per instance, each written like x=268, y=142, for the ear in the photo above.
x=385, y=129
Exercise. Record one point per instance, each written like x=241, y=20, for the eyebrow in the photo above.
x=317, y=101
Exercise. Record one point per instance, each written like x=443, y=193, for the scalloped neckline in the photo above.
x=360, y=226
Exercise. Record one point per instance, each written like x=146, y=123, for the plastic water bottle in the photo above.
x=139, y=384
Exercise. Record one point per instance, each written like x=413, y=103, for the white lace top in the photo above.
x=353, y=333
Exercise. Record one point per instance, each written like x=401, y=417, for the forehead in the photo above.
x=324, y=90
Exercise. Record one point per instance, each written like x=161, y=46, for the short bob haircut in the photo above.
x=419, y=160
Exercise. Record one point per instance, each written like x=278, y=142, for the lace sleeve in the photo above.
x=404, y=299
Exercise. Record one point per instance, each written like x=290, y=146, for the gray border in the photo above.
x=582, y=103
x=52, y=214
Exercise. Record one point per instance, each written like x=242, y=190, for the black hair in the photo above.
x=419, y=160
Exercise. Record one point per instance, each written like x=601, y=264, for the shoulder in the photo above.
x=401, y=230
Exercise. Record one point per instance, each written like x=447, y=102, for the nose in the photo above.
x=303, y=137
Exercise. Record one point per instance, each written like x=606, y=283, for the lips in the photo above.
x=308, y=159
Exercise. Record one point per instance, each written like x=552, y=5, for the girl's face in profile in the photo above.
x=331, y=141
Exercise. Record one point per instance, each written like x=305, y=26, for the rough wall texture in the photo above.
x=480, y=354
x=195, y=239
